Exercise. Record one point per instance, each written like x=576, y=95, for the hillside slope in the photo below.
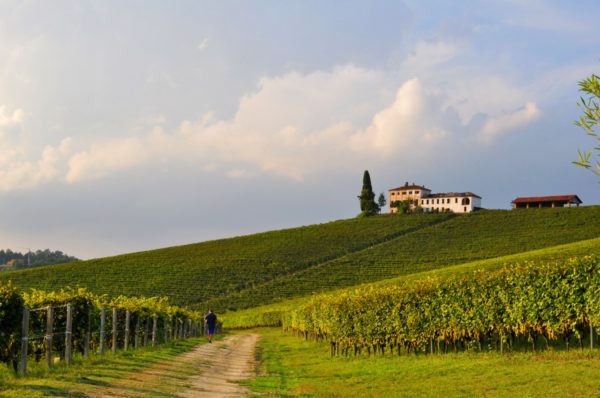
x=195, y=273
x=263, y=268
x=471, y=237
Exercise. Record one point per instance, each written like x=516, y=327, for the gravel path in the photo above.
x=221, y=364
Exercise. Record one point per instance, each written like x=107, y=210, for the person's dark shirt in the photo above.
x=211, y=320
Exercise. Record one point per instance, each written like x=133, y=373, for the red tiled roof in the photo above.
x=555, y=198
x=452, y=195
x=411, y=186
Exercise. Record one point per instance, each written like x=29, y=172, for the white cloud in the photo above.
x=23, y=174
x=11, y=118
x=203, y=43
x=497, y=125
x=107, y=157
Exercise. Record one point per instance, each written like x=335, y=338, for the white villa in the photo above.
x=457, y=202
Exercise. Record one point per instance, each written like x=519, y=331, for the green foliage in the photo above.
x=11, y=311
x=368, y=207
x=551, y=300
x=381, y=202
x=589, y=121
x=401, y=206
x=34, y=259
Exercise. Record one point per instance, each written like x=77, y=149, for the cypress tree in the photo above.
x=367, y=197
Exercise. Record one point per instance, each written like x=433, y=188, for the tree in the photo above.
x=401, y=206
x=381, y=202
x=368, y=207
x=590, y=121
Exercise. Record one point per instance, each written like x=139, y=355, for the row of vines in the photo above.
x=57, y=325
x=527, y=306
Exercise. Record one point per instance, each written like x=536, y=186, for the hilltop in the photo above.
x=263, y=268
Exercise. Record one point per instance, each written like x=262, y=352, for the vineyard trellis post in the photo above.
x=24, y=340
x=146, y=331
x=69, y=335
x=102, y=329
x=154, y=330
x=127, y=320
x=166, y=329
x=88, y=334
x=48, y=336
x=114, y=330
x=136, y=339
x=591, y=336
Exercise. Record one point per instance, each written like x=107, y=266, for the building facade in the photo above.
x=420, y=196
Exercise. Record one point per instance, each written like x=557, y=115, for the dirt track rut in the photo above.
x=223, y=363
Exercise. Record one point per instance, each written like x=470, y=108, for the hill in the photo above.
x=193, y=274
x=264, y=268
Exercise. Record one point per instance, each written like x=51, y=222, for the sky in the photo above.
x=133, y=125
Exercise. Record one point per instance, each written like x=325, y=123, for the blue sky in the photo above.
x=131, y=125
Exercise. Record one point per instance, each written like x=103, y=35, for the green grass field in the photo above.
x=292, y=367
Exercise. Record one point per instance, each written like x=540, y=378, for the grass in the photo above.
x=121, y=374
x=292, y=367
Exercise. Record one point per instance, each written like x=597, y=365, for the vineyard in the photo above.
x=271, y=314
x=270, y=267
x=477, y=236
x=53, y=325
x=187, y=274
x=533, y=305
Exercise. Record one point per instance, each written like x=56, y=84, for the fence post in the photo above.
x=166, y=329
x=171, y=338
x=48, y=337
x=69, y=335
x=114, y=330
x=591, y=336
x=88, y=334
x=154, y=330
x=146, y=331
x=24, y=340
x=136, y=339
x=102, y=329
x=127, y=319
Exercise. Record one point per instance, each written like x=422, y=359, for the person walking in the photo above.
x=210, y=320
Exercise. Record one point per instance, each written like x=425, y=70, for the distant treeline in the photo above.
x=34, y=258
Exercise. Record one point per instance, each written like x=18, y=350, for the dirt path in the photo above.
x=208, y=371
x=222, y=364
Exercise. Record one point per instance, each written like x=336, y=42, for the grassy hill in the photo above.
x=263, y=268
x=193, y=274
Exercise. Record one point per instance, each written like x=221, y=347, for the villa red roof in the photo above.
x=555, y=198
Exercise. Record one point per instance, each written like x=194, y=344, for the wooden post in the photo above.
x=24, y=340
x=171, y=327
x=146, y=331
x=174, y=328
x=69, y=335
x=102, y=329
x=154, y=330
x=591, y=336
x=136, y=339
x=114, y=330
x=88, y=334
x=501, y=343
x=127, y=320
x=48, y=337
x=166, y=329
